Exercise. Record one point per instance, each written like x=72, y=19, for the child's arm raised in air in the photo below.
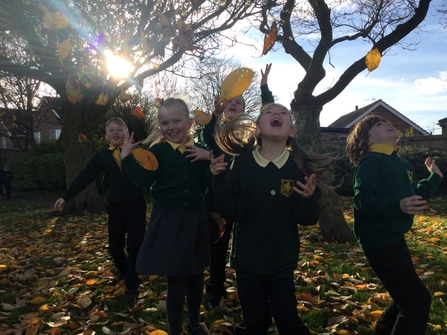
x=129, y=146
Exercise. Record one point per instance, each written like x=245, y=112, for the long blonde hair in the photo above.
x=241, y=134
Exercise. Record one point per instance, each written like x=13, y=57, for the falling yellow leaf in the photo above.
x=146, y=159
x=438, y=294
x=102, y=99
x=236, y=83
x=201, y=118
x=60, y=20
x=64, y=48
x=73, y=91
x=372, y=59
x=376, y=314
x=48, y=18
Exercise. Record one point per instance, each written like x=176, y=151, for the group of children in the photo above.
x=262, y=184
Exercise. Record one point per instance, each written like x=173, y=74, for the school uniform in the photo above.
x=381, y=180
x=259, y=198
x=126, y=207
x=219, y=240
x=176, y=240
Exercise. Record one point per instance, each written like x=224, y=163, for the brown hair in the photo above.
x=240, y=135
x=357, y=142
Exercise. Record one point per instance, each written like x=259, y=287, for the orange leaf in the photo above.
x=91, y=282
x=270, y=39
x=376, y=314
x=138, y=112
x=83, y=139
x=201, y=118
x=146, y=159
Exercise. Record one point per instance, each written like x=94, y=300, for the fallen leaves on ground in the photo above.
x=56, y=277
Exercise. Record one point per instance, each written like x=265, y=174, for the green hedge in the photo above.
x=41, y=168
x=343, y=170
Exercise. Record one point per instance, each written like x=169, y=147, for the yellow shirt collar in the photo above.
x=382, y=148
x=181, y=147
x=279, y=161
x=112, y=147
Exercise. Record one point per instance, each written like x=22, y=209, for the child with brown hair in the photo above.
x=386, y=197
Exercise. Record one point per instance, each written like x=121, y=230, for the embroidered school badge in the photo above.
x=286, y=187
x=410, y=176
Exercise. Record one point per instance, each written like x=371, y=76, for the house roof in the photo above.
x=350, y=119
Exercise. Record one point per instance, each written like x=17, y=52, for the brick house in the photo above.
x=338, y=131
x=45, y=123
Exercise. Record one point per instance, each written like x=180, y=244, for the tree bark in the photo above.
x=333, y=225
x=76, y=155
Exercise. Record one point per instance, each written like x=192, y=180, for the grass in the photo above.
x=56, y=277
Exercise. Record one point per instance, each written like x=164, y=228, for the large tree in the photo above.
x=310, y=31
x=68, y=40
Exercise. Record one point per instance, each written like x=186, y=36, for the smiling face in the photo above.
x=275, y=122
x=382, y=132
x=235, y=107
x=116, y=132
x=175, y=123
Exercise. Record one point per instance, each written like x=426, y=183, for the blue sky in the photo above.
x=412, y=82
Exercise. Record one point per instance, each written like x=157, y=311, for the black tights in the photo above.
x=178, y=288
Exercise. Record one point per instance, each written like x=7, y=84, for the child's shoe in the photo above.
x=196, y=330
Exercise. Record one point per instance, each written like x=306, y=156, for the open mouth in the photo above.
x=276, y=122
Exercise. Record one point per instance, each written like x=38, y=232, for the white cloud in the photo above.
x=432, y=85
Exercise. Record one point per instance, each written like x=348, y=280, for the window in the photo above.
x=37, y=137
x=342, y=138
x=3, y=142
x=54, y=134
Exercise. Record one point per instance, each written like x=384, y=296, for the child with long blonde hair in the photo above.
x=271, y=188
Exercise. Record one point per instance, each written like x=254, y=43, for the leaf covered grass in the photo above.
x=56, y=277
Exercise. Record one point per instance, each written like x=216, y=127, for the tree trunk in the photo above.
x=333, y=225
x=76, y=155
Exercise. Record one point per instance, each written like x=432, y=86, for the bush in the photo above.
x=342, y=170
x=41, y=168
x=417, y=155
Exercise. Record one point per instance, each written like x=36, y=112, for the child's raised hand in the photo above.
x=129, y=146
x=307, y=189
x=432, y=167
x=197, y=153
x=265, y=74
x=413, y=205
x=218, y=164
x=219, y=106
